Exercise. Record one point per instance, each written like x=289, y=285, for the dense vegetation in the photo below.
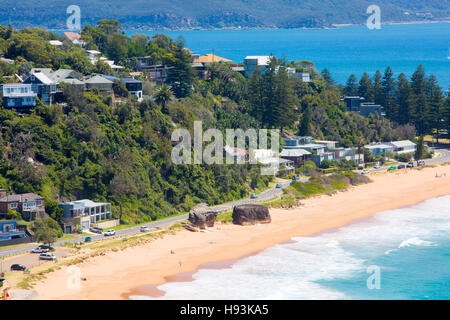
x=119, y=151
x=175, y=14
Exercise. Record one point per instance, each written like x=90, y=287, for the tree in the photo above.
x=378, y=88
x=109, y=26
x=180, y=75
x=388, y=94
x=365, y=88
x=327, y=77
x=436, y=105
x=403, y=100
x=351, y=87
x=46, y=230
x=419, y=149
x=162, y=97
x=305, y=123
x=420, y=104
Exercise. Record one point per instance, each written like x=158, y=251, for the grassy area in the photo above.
x=225, y=217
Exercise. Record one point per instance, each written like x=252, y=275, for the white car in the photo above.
x=47, y=256
x=377, y=166
x=365, y=171
x=110, y=233
x=39, y=250
x=145, y=229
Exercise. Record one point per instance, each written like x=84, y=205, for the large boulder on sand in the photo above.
x=202, y=216
x=251, y=214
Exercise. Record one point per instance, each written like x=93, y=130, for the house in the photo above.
x=271, y=163
x=98, y=82
x=211, y=58
x=157, y=72
x=319, y=157
x=379, y=149
x=84, y=213
x=403, y=146
x=296, y=141
x=18, y=95
x=133, y=86
x=42, y=85
x=313, y=148
x=29, y=205
x=356, y=104
x=297, y=156
x=238, y=155
x=327, y=143
x=9, y=230
x=253, y=62
x=348, y=154
x=74, y=37
x=304, y=76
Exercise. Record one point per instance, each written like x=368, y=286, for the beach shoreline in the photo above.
x=117, y=275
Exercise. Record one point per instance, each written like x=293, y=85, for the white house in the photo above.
x=252, y=62
x=403, y=146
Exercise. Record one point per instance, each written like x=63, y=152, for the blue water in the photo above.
x=410, y=246
x=346, y=50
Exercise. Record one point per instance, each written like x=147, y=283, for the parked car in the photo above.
x=410, y=165
x=253, y=196
x=420, y=163
x=365, y=171
x=401, y=166
x=18, y=267
x=392, y=168
x=47, y=256
x=377, y=166
x=87, y=239
x=145, y=229
x=96, y=230
x=110, y=233
x=278, y=186
x=40, y=250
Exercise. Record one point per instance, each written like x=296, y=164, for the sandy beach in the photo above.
x=116, y=275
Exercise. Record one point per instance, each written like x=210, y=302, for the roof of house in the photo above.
x=56, y=43
x=42, y=77
x=124, y=80
x=98, y=79
x=46, y=71
x=86, y=203
x=293, y=152
x=23, y=197
x=311, y=146
x=72, y=81
x=262, y=60
x=378, y=146
x=402, y=143
x=72, y=35
x=60, y=74
x=209, y=58
x=235, y=151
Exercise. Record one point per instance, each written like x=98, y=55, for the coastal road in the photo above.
x=263, y=196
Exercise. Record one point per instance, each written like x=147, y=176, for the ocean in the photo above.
x=345, y=50
x=397, y=254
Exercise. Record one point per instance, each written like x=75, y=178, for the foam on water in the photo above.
x=333, y=265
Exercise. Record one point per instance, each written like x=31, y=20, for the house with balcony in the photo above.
x=80, y=215
x=297, y=156
x=380, y=149
x=18, y=95
x=403, y=146
x=251, y=63
x=42, y=85
x=10, y=231
x=296, y=141
x=133, y=86
x=29, y=205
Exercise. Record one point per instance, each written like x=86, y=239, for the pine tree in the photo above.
x=351, y=87
x=436, y=105
x=377, y=88
x=327, y=77
x=420, y=105
x=180, y=75
x=304, y=128
x=388, y=95
x=365, y=88
x=403, y=100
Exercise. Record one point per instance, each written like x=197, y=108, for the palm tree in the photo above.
x=360, y=141
x=163, y=96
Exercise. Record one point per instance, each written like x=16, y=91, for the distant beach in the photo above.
x=121, y=274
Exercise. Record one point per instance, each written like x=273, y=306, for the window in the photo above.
x=13, y=205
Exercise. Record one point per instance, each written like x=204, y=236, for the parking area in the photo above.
x=29, y=260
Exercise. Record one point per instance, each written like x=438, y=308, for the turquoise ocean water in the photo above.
x=409, y=246
x=346, y=50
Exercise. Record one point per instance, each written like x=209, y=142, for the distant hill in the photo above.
x=182, y=14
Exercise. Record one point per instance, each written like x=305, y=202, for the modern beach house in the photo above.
x=9, y=230
x=80, y=215
x=253, y=62
x=18, y=95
